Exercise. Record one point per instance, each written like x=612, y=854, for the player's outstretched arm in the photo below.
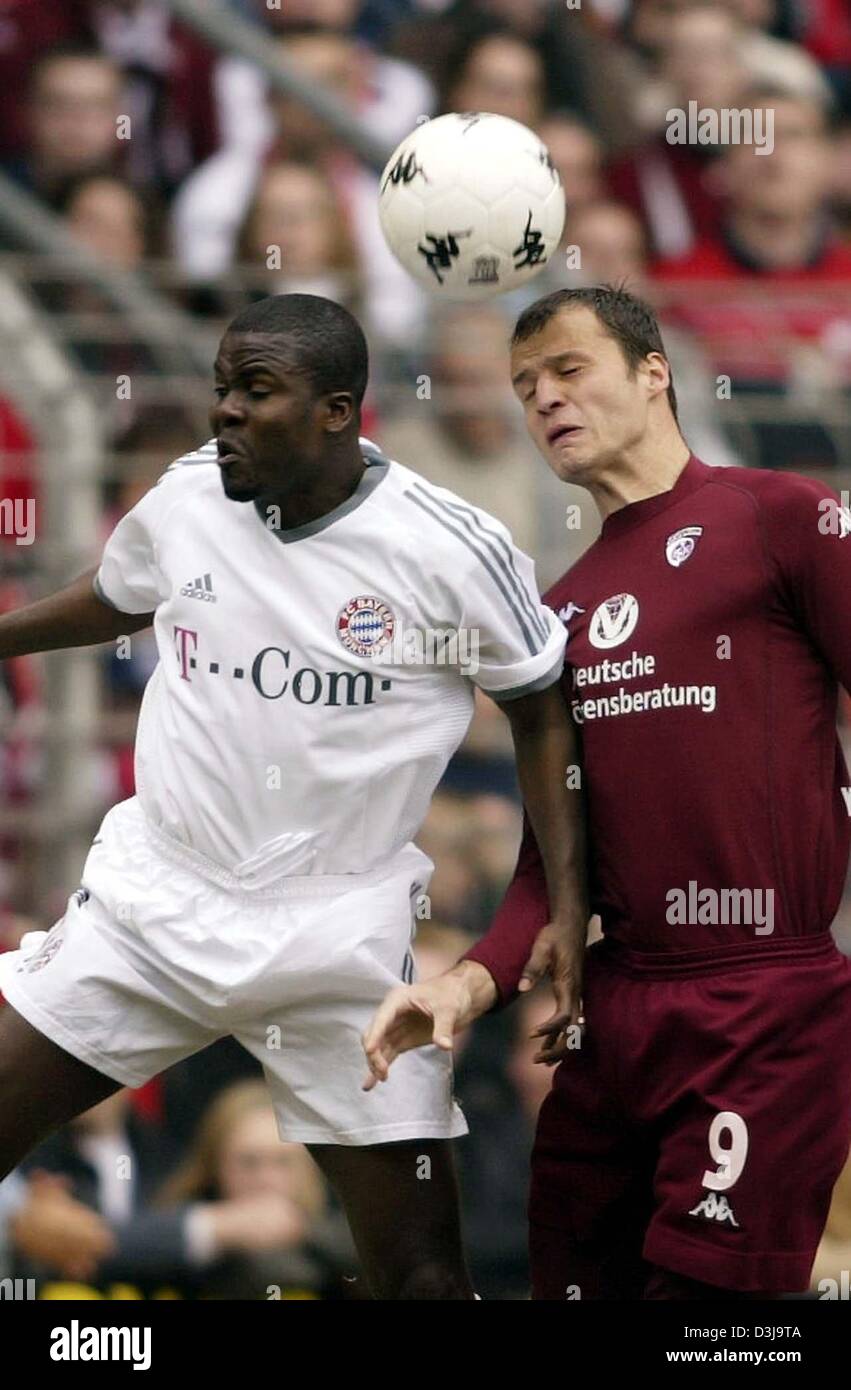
x=72, y=617
x=548, y=768
x=542, y=926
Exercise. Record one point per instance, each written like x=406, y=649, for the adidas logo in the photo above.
x=200, y=588
x=715, y=1208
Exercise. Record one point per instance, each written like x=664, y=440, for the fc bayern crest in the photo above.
x=38, y=959
x=680, y=545
x=365, y=625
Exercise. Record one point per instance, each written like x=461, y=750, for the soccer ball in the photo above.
x=471, y=205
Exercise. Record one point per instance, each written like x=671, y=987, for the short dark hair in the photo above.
x=327, y=341
x=625, y=317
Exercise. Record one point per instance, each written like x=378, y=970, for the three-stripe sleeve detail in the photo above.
x=486, y=551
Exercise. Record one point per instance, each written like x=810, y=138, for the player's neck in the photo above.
x=317, y=499
x=643, y=472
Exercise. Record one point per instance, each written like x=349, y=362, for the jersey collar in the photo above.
x=377, y=466
x=692, y=477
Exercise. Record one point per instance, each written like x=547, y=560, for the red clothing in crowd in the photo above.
x=753, y=316
x=28, y=28
x=668, y=188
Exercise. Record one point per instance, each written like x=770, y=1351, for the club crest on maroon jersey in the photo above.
x=680, y=545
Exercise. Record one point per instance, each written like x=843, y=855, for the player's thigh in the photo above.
x=591, y=1177
x=753, y=1141
x=41, y=1087
x=81, y=1020
x=402, y=1204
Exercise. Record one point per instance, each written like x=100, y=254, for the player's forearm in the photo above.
x=524, y=911
x=73, y=617
x=479, y=989
x=547, y=752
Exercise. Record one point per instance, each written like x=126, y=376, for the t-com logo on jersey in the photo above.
x=275, y=673
x=613, y=621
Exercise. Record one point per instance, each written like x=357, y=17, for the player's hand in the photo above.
x=558, y=952
x=432, y=1012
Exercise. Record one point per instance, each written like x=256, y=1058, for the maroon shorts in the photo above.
x=700, y=1126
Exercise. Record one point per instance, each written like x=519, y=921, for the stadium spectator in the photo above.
x=167, y=78
x=260, y=1213
x=581, y=66
x=119, y=225
x=295, y=237
x=73, y=106
x=212, y=204
x=779, y=315
x=395, y=93
x=499, y=73
x=577, y=153
x=242, y=1212
x=670, y=185
x=110, y=217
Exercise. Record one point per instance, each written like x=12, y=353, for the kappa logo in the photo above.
x=613, y=621
x=201, y=588
x=680, y=545
x=569, y=611
x=715, y=1208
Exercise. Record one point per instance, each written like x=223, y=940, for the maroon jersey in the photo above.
x=708, y=629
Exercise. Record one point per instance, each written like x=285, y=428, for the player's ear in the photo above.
x=658, y=372
x=338, y=410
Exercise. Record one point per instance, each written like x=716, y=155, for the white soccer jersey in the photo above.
x=314, y=682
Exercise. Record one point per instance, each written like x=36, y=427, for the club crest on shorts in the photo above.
x=365, y=625
x=680, y=545
x=44, y=955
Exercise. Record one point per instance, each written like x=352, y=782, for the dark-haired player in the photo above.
x=262, y=882
x=689, y=1145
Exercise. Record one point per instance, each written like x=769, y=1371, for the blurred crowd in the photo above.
x=175, y=162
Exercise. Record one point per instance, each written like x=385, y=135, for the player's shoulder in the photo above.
x=194, y=472
x=195, y=458
x=445, y=520
x=776, y=495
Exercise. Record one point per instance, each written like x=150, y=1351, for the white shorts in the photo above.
x=161, y=952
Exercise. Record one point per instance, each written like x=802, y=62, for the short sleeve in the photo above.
x=518, y=642
x=129, y=577
x=809, y=538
